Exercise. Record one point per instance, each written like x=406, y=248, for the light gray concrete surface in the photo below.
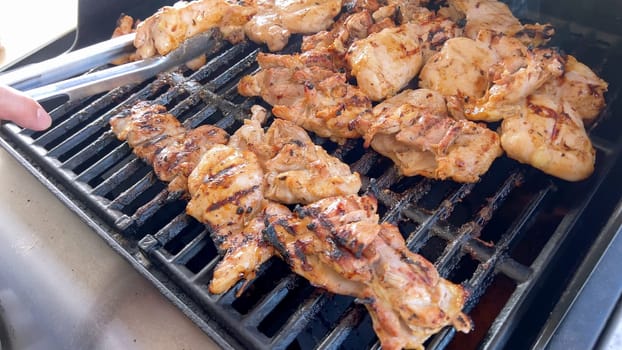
x=63, y=287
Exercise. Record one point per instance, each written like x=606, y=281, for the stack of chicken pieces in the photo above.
x=442, y=93
x=466, y=79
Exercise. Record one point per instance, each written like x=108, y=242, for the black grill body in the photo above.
x=522, y=243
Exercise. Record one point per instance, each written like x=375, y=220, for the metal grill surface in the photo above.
x=499, y=238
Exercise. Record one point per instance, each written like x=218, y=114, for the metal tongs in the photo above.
x=57, y=77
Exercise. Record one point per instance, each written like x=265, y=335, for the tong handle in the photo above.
x=134, y=72
x=69, y=64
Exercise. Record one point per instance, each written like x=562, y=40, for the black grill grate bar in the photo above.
x=129, y=195
x=386, y=180
x=364, y=164
x=483, y=275
x=398, y=203
x=226, y=57
x=339, y=334
x=227, y=108
x=419, y=237
x=148, y=210
x=191, y=249
x=269, y=301
x=472, y=229
x=117, y=178
x=104, y=163
x=233, y=72
x=56, y=113
x=298, y=321
x=173, y=228
x=204, y=276
x=477, y=284
x=92, y=128
x=91, y=150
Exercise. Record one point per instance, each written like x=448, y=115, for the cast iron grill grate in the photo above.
x=498, y=235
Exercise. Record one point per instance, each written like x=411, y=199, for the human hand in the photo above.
x=22, y=110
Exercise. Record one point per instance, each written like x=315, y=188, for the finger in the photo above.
x=22, y=110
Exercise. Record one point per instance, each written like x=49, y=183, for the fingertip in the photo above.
x=43, y=121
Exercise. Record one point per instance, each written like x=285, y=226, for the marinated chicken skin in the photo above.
x=459, y=71
x=549, y=134
x=338, y=244
x=302, y=172
x=263, y=21
x=414, y=129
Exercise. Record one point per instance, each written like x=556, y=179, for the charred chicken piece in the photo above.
x=245, y=251
x=302, y=172
x=315, y=98
x=484, y=79
x=338, y=244
x=147, y=128
x=385, y=62
x=226, y=194
x=414, y=129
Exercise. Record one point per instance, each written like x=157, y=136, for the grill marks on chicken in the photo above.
x=338, y=244
x=158, y=138
x=540, y=95
x=235, y=184
x=311, y=96
x=415, y=130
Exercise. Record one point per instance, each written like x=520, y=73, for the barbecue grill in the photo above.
x=534, y=252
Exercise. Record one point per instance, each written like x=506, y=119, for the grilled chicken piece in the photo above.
x=495, y=16
x=302, y=172
x=226, y=189
x=519, y=72
x=171, y=25
x=226, y=194
x=580, y=89
x=338, y=244
x=296, y=170
x=385, y=62
x=414, y=129
x=175, y=162
x=158, y=138
x=459, y=71
x=245, y=251
x=484, y=79
x=275, y=21
x=548, y=131
x=317, y=99
x=147, y=128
